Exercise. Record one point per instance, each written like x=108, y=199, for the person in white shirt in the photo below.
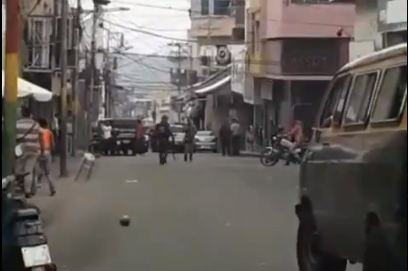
x=106, y=137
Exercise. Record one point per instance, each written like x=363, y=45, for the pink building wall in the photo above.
x=282, y=19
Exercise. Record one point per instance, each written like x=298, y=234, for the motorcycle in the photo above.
x=27, y=245
x=271, y=155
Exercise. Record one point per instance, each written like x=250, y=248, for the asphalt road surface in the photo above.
x=215, y=214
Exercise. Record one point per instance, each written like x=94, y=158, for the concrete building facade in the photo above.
x=294, y=48
x=378, y=24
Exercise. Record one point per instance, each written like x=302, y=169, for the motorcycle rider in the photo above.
x=163, y=134
x=190, y=132
x=296, y=134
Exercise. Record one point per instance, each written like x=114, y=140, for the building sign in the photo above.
x=238, y=71
x=310, y=56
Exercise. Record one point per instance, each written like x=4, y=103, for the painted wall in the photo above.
x=281, y=19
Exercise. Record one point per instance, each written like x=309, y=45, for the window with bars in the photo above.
x=222, y=7
x=39, y=42
x=205, y=7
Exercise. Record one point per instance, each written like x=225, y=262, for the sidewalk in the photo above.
x=73, y=164
x=67, y=189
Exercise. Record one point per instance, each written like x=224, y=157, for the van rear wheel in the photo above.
x=377, y=255
x=309, y=257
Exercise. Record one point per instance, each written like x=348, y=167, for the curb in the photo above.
x=250, y=154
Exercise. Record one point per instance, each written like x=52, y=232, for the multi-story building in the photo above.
x=40, y=48
x=218, y=27
x=294, y=49
x=215, y=24
x=378, y=24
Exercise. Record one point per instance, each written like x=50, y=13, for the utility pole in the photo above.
x=93, y=69
x=179, y=79
x=63, y=96
x=107, y=76
x=10, y=86
x=74, y=79
x=190, y=64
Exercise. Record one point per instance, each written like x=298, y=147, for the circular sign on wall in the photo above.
x=223, y=55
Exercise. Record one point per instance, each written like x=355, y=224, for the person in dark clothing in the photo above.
x=235, y=137
x=225, y=139
x=163, y=135
x=190, y=132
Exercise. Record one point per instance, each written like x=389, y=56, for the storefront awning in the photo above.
x=26, y=88
x=209, y=89
x=212, y=83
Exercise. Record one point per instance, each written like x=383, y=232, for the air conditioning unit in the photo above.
x=205, y=60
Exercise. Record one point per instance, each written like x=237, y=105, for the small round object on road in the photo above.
x=125, y=221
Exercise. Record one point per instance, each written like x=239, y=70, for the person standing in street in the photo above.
x=107, y=138
x=235, y=137
x=27, y=135
x=190, y=132
x=249, y=138
x=225, y=138
x=140, y=137
x=43, y=167
x=163, y=134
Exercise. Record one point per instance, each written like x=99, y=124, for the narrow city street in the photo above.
x=213, y=214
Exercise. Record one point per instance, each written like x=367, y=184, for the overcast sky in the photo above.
x=167, y=18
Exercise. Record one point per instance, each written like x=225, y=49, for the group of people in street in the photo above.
x=165, y=139
x=37, y=142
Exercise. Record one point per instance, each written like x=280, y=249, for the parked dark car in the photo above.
x=123, y=135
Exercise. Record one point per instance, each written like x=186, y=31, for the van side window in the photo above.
x=360, y=96
x=335, y=102
x=391, y=94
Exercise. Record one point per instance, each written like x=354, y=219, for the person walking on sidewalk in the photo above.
x=27, y=135
x=190, y=132
x=43, y=167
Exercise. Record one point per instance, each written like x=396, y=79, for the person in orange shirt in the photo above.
x=46, y=139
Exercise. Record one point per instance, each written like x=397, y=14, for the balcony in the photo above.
x=212, y=27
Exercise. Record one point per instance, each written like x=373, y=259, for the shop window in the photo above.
x=334, y=105
x=391, y=95
x=360, y=96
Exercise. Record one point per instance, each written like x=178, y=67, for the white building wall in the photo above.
x=374, y=19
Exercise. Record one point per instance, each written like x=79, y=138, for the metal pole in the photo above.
x=63, y=96
x=74, y=81
x=179, y=80
x=107, y=76
x=93, y=70
x=190, y=64
x=10, y=86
